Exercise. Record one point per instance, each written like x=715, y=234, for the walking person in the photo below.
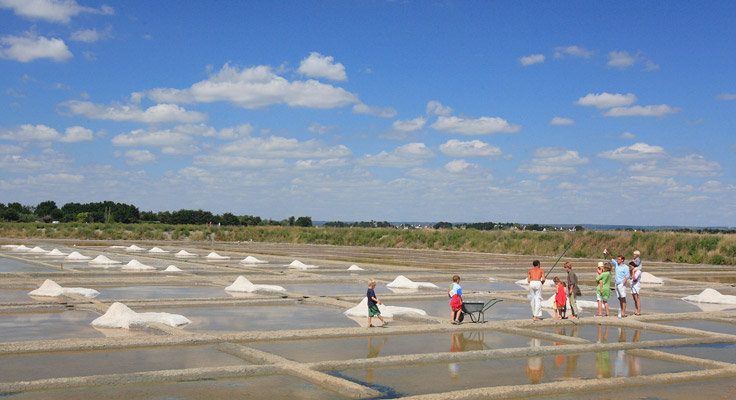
x=535, y=278
x=573, y=290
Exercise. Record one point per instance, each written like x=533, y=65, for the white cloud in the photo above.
x=627, y=135
x=59, y=11
x=90, y=35
x=155, y=138
x=606, y=100
x=408, y=155
x=642, y=111
x=434, y=107
x=532, y=59
x=650, y=66
x=549, y=161
x=726, y=96
x=321, y=164
x=319, y=129
x=256, y=87
x=621, y=59
x=690, y=165
x=411, y=125
x=281, y=147
x=139, y=157
x=319, y=66
x=575, y=51
x=473, y=148
x=480, y=126
x=456, y=166
x=383, y=112
x=28, y=132
x=635, y=152
x=31, y=47
x=159, y=113
x=75, y=134
x=10, y=149
x=561, y=121
x=48, y=160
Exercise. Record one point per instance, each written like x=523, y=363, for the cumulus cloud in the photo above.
x=408, y=155
x=10, y=149
x=31, y=47
x=254, y=88
x=575, y=51
x=532, y=59
x=281, y=147
x=411, y=125
x=627, y=135
x=456, y=166
x=726, y=96
x=635, y=152
x=690, y=165
x=152, y=138
x=561, y=121
x=473, y=148
x=319, y=129
x=319, y=66
x=90, y=35
x=159, y=113
x=383, y=112
x=436, y=108
x=549, y=161
x=607, y=100
x=139, y=157
x=642, y=111
x=480, y=126
x=621, y=59
x=60, y=11
x=43, y=133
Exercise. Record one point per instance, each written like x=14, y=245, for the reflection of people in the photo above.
x=535, y=278
x=621, y=335
x=603, y=287
x=635, y=286
x=456, y=299
x=373, y=351
x=373, y=302
x=622, y=365
x=573, y=291
x=560, y=359
x=572, y=360
x=456, y=344
x=534, y=365
x=603, y=358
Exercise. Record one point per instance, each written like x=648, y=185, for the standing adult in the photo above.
x=635, y=286
x=535, y=278
x=622, y=275
x=573, y=290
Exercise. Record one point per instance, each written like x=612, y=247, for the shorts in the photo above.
x=635, y=289
x=373, y=310
x=620, y=290
x=598, y=296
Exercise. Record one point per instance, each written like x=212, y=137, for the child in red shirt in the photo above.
x=560, y=299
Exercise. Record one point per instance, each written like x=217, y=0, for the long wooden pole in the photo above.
x=558, y=260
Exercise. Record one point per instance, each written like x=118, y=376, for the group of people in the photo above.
x=567, y=291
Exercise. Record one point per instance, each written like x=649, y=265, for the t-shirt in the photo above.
x=371, y=294
x=455, y=289
x=622, y=271
x=637, y=261
x=560, y=296
x=572, y=279
x=636, y=281
x=604, y=277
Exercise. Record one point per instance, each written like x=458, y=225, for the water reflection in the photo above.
x=625, y=364
x=373, y=352
x=465, y=342
x=534, y=365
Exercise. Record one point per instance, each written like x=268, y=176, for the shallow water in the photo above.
x=17, y=295
x=42, y=326
x=724, y=352
x=505, y=310
x=424, y=379
x=11, y=265
x=708, y=326
x=609, y=334
x=161, y=292
x=330, y=289
x=715, y=389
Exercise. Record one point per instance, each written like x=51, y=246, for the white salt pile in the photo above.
x=9, y=246
x=184, y=253
x=711, y=296
x=402, y=282
x=300, y=265
x=76, y=256
x=157, y=250
x=120, y=316
x=355, y=268
x=647, y=278
x=55, y=252
x=137, y=266
x=50, y=288
x=252, y=260
x=361, y=310
x=117, y=247
x=172, y=268
x=582, y=304
x=133, y=247
x=21, y=249
x=215, y=256
x=102, y=260
x=37, y=250
x=244, y=285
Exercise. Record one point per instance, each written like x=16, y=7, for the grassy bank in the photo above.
x=656, y=246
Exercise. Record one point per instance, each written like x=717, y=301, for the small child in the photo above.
x=560, y=299
x=456, y=299
x=373, y=302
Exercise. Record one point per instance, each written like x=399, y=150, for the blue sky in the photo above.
x=461, y=111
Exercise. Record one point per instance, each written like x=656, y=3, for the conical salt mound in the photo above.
x=103, y=260
x=55, y=252
x=300, y=265
x=648, y=278
x=355, y=268
x=157, y=250
x=50, y=288
x=21, y=249
x=75, y=256
x=184, y=253
x=37, y=250
x=133, y=247
x=402, y=282
x=120, y=316
x=172, y=268
x=137, y=265
x=215, y=256
x=251, y=260
x=242, y=284
x=711, y=296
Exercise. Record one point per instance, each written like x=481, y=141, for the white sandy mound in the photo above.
x=137, y=265
x=711, y=296
x=157, y=250
x=252, y=260
x=355, y=268
x=548, y=282
x=184, y=253
x=117, y=247
x=55, y=252
x=9, y=246
x=647, y=278
x=75, y=256
x=37, y=250
x=133, y=247
x=582, y=304
x=402, y=282
x=103, y=260
x=361, y=310
x=244, y=285
x=21, y=249
x=300, y=265
x=120, y=316
x=172, y=268
x=50, y=288
x=215, y=256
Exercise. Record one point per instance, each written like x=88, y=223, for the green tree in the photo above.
x=303, y=221
x=45, y=208
x=442, y=225
x=229, y=219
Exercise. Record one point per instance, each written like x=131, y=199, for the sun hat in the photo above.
x=600, y=263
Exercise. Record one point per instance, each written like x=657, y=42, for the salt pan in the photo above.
x=361, y=310
x=157, y=250
x=300, y=265
x=355, y=268
x=215, y=256
x=102, y=260
x=137, y=265
x=184, y=253
x=76, y=256
x=402, y=282
x=120, y=316
x=244, y=285
x=50, y=288
x=252, y=260
x=711, y=296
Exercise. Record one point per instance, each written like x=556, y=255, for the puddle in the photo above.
x=725, y=352
x=609, y=334
x=505, y=310
x=11, y=265
x=18, y=295
x=253, y=388
x=425, y=379
x=708, y=326
x=648, y=304
x=26, y=368
x=45, y=326
x=370, y=347
x=334, y=289
x=161, y=292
